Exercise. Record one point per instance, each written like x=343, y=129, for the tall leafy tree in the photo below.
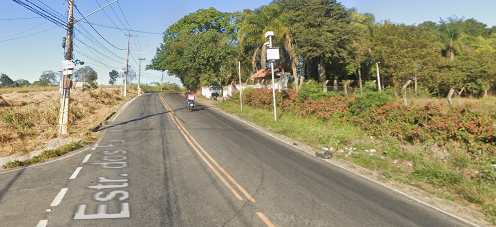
x=87, y=76
x=195, y=64
x=48, y=78
x=22, y=82
x=6, y=80
x=401, y=49
x=321, y=31
x=451, y=31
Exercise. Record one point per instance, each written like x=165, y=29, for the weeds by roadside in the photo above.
x=44, y=156
x=460, y=171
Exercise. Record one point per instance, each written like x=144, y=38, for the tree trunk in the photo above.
x=451, y=50
x=321, y=70
x=360, y=79
x=486, y=93
x=263, y=57
x=293, y=58
x=405, y=100
x=254, y=61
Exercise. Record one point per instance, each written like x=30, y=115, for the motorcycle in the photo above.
x=191, y=105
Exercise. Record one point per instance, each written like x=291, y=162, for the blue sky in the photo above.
x=30, y=45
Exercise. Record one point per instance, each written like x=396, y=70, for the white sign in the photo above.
x=273, y=54
x=68, y=65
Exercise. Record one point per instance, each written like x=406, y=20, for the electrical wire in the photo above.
x=5, y=40
x=20, y=18
x=125, y=29
x=97, y=31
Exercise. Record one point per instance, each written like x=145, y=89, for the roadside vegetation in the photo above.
x=370, y=91
x=446, y=150
x=45, y=155
x=29, y=120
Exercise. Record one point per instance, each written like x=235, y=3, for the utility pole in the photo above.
x=127, y=64
x=68, y=66
x=139, y=76
x=67, y=70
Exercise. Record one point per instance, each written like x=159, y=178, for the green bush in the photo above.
x=367, y=100
x=312, y=90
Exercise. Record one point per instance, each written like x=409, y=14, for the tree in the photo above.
x=401, y=49
x=113, y=76
x=87, y=76
x=251, y=37
x=321, y=29
x=451, y=31
x=361, y=43
x=198, y=48
x=6, y=81
x=47, y=78
x=22, y=82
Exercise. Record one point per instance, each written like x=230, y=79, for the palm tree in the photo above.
x=251, y=35
x=451, y=32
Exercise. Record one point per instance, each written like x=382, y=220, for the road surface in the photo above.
x=158, y=164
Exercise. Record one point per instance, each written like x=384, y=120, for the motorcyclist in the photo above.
x=189, y=97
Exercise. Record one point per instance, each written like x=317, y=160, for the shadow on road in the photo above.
x=131, y=121
x=11, y=182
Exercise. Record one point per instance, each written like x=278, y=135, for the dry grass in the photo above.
x=29, y=120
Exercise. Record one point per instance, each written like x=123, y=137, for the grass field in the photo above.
x=6, y=90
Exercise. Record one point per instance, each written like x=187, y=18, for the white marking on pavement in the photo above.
x=44, y=163
x=59, y=197
x=74, y=175
x=42, y=223
x=86, y=158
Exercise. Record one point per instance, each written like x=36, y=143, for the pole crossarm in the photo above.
x=96, y=11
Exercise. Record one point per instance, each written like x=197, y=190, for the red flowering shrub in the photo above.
x=434, y=121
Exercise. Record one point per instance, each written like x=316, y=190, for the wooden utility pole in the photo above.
x=68, y=66
x=67, y=71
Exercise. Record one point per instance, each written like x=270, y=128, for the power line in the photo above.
x=5, y=40
x=20, y=18
x=97, y=31
x=41, y=11
x=109, y=17
x=125, y=29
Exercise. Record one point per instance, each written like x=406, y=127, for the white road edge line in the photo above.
x=86, y=158
x=272, y=134
x=44, y=163
x=42, y=223
x=76, y=172
x=59, y=197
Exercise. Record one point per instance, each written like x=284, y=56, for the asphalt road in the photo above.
x=158, y=164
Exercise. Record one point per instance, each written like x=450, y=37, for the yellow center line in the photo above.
x=265, y=219
x=191, y=140
x=199, y=153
